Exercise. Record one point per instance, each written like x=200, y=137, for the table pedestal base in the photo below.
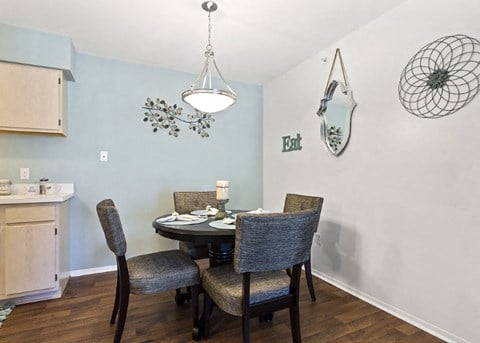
x=220, y=253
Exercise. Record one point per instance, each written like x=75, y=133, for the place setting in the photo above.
x=201, y=215
x=228, y=223
x=176, y=219
x=222, y=219
x=208, y=211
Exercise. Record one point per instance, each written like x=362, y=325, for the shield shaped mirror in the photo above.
x=336, y=108
x=335, y=112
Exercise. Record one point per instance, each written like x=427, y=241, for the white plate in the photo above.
x=219, y=224
x=204, y=213
x=185, y=222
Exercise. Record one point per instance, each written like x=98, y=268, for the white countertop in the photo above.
x=66, y=192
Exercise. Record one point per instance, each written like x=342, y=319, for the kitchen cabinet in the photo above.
x=33, y=251
x=32, y=99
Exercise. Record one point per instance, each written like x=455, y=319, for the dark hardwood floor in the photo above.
x=83, y=314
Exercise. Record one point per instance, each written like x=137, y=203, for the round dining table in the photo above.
x=220, y=241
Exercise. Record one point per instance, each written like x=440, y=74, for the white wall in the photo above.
x=400, y=225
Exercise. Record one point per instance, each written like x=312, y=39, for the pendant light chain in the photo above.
x=209, y=45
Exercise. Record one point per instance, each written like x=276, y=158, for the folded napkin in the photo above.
x=187, y=217
x=180, y=217
x=258, y=211
x=228, y=220
x=211, y=211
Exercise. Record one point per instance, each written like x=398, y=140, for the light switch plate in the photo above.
x=24, y=173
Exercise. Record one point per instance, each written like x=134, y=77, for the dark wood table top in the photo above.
x=199, y=233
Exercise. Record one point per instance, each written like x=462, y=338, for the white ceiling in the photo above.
x=253, y=40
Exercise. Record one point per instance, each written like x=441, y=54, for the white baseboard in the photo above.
x=89, y=271
x=407, y=317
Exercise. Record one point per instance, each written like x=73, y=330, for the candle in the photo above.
x=222, y=190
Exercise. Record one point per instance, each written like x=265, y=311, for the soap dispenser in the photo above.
x=42, y=186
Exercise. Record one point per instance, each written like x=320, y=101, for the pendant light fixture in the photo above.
x=203, y=95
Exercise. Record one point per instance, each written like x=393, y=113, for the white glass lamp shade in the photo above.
x=209, y=100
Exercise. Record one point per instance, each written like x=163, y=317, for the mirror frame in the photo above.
x=322, y=111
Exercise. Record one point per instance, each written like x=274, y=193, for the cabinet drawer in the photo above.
x=25, y=214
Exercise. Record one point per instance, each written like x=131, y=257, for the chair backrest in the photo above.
x=186, y=202
x=112, y=227
x=273, y=241
x=298, y=202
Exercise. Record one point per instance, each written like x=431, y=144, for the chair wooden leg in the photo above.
x=308, y=274
x=117, y=299
x=295, y=323
x=265, y=317
x=122, y=313
x=207, y=312
x=180, y=297
x=246, y=328
x=294, y=307
x=196, y=328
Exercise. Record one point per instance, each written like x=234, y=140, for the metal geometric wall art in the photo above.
x=162, y=116
x=442, y=77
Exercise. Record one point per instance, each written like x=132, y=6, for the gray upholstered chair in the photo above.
x=145, y=274
x=256, y=283
x=297, y=202
x=186, y=202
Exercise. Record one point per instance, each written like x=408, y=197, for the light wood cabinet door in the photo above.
x=31, y=99
x=30, y=257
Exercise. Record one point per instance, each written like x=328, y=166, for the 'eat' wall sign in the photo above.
x=291, y=144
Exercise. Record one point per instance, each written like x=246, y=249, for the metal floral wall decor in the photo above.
x=442, y=77
x=160, y=115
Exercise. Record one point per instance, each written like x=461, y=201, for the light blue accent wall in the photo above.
x=71, y=72
x=21, y=45
x=144, y=168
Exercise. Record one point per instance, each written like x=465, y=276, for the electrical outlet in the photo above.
x=24, y=173
x=104, y=156
x=317, y=239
